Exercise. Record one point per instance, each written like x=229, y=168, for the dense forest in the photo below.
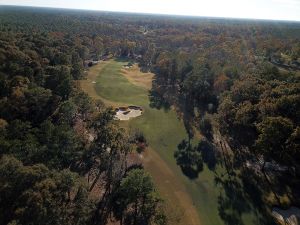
x=64, y=160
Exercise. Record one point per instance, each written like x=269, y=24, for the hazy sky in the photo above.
x=261, y=9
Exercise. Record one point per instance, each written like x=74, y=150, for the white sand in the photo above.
x=290, y=216
x=122, y=115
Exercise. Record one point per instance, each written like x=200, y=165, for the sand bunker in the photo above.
x=290, y=216
x=125, y=113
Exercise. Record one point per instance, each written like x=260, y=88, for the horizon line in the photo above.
x=153, y=14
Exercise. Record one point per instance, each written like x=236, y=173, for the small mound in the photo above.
x=125, y=113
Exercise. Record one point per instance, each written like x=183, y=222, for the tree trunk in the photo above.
x=135, y=212
x=121, y=219
x=269, y=182
x=263, y=167
x=99, y=212
x=95, y=181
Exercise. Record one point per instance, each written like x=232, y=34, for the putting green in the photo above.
x=164, y=131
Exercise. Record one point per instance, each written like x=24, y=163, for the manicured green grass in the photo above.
x=164, y=131
x=113, y=86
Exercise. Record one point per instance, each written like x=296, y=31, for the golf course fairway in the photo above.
x=195, y=201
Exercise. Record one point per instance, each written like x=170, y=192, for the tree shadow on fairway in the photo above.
x=157, y=101
x=231, y=200
x=189, y=159
x=124, y=59
x=241, y=193
x=208, y=153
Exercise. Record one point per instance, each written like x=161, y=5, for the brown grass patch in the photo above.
x=88, y=86
x=137, y=77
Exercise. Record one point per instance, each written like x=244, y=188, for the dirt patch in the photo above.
x=138, y=78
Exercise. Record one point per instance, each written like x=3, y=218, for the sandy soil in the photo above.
x=120, y=115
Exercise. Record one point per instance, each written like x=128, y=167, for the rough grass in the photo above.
x=164, y=131
x=89, y=87
x=135, y=76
